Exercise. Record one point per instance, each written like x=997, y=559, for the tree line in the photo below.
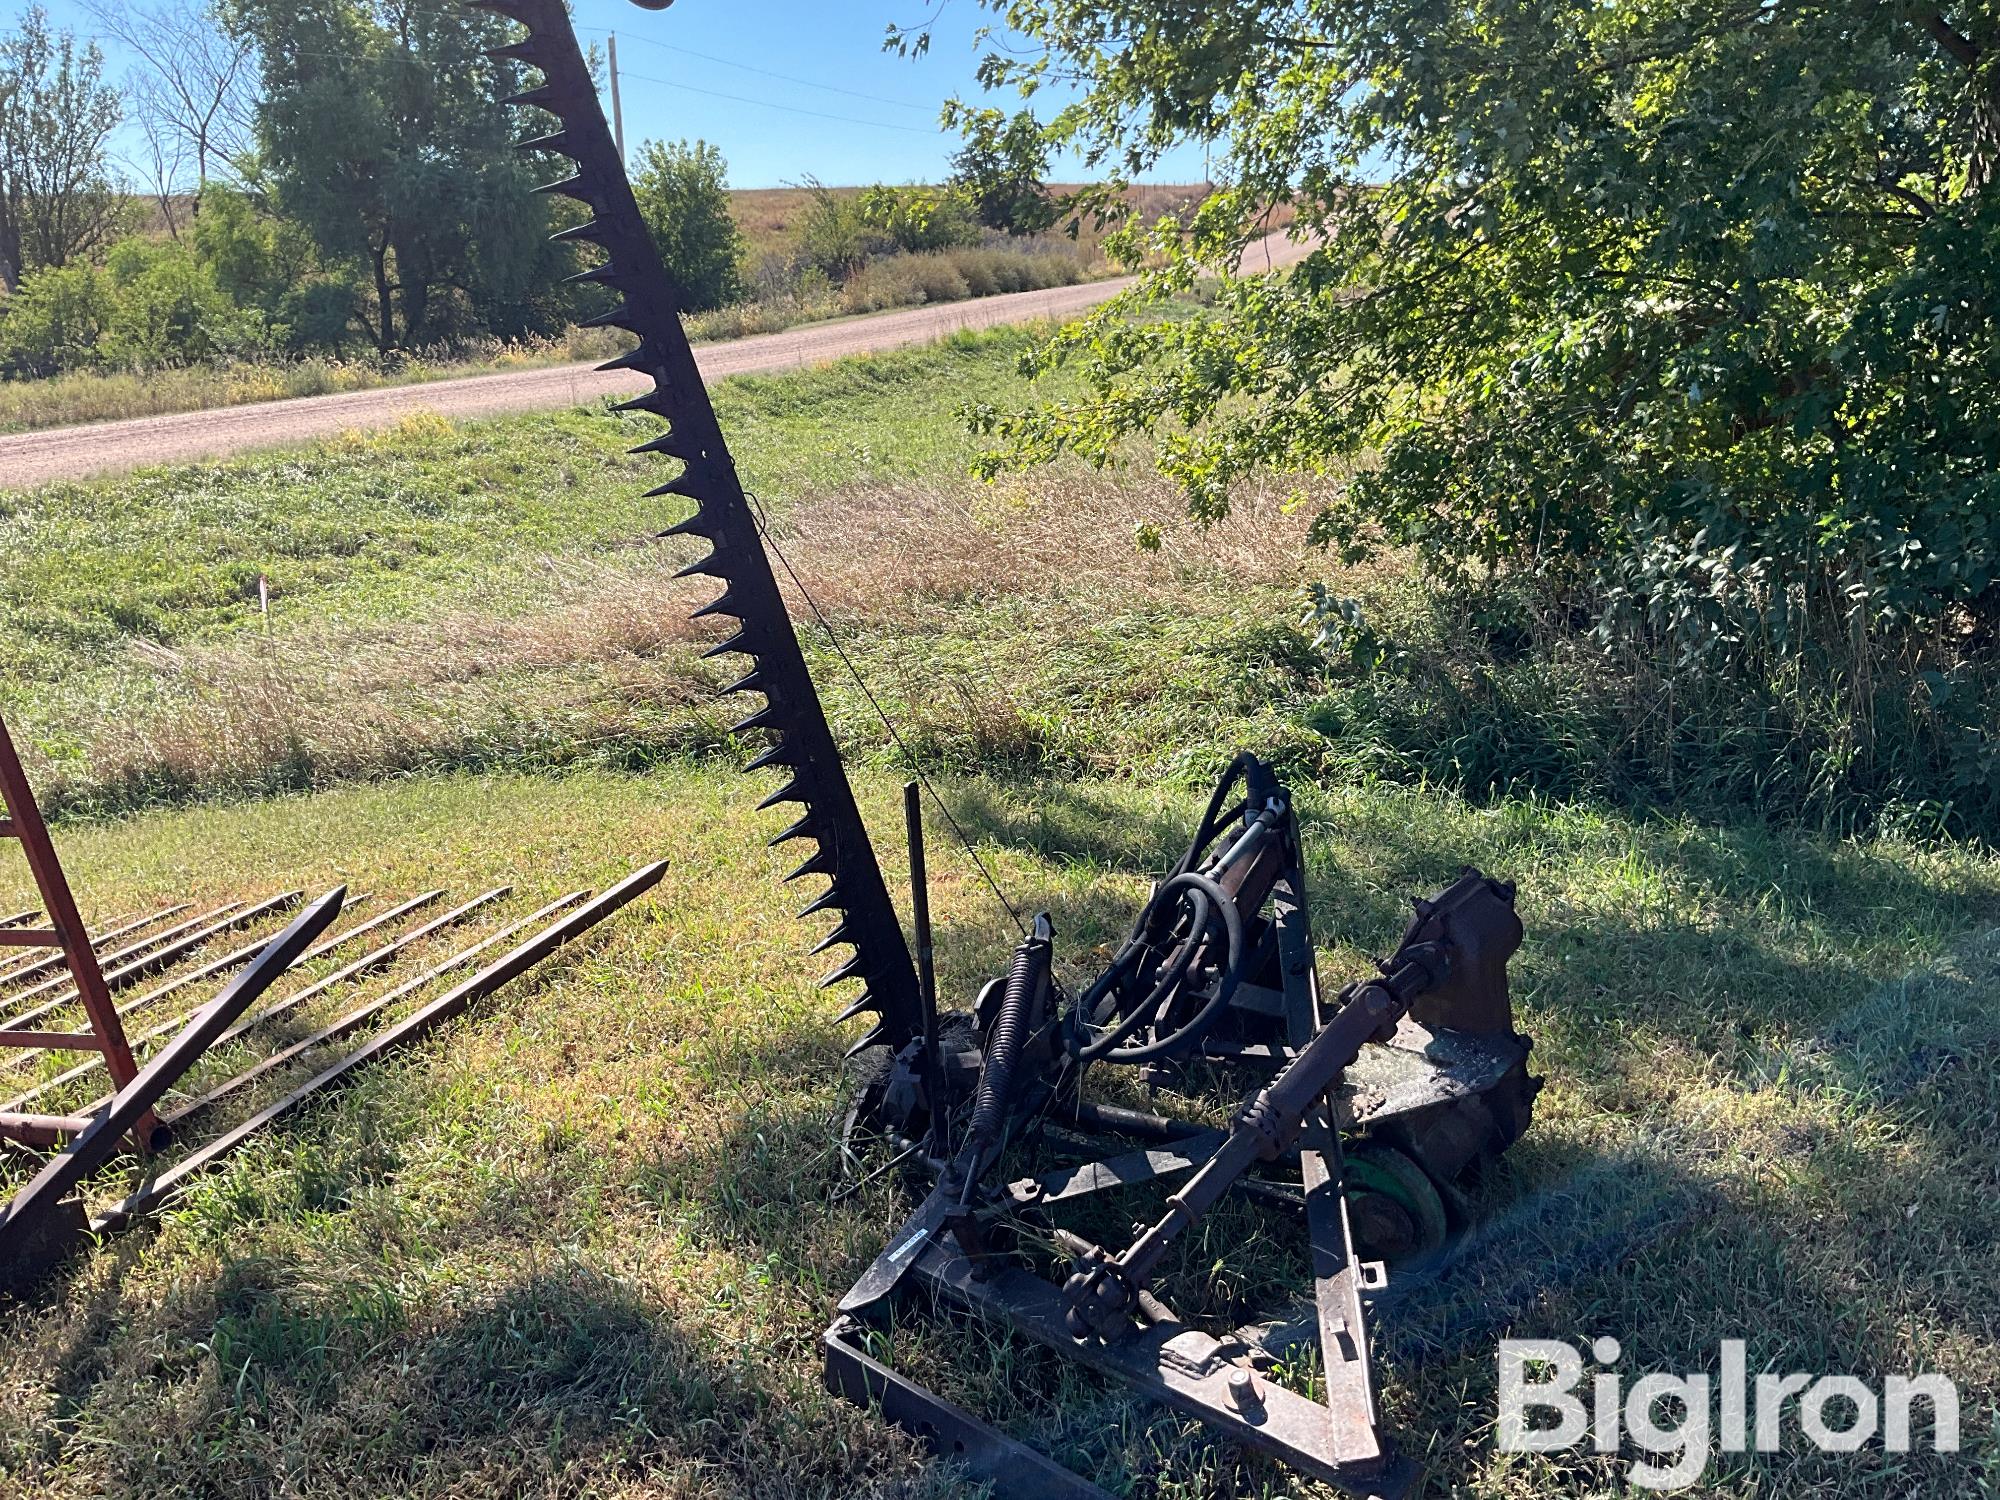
x=324, y=175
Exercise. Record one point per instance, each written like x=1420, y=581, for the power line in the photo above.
x=808, y=83
x=788, y=108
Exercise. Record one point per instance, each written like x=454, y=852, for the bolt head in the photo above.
x=1243, y=1391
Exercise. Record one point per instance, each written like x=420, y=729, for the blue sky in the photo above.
x=851, y=112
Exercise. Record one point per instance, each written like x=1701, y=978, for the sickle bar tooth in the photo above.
x=766, y=717
x=684, y=528
x=867, y=1002
x=655, y=401
x=821, y=863
x=671, y=443
x=557, y=141
x=843, y=932
x=572, y=186
x=632, y=359
x=594, y=230
x=620, y=316
x=828, y=900
x=726, y=605
x=846, y=971
x=789, y=792
x=778, y=755
x=735, y=643
x=545, y=96
x=875, y=1034
x=752, y=682
x=604, y=275
x=682, y=486
x=801, y=829
x=707, y=565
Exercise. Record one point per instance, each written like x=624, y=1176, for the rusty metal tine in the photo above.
x=161, y=956
x=412, y=1027
x=15, y=919
x=128, y=954
x=250, y=950
x=23, y=1226
x=337, y=941
x=355, y=1019
x=367, y=963
x=23, y=969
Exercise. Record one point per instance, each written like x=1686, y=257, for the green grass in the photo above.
x=583, y=1242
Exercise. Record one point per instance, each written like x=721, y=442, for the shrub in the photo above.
x=835, y=238
x=318, y=313
x=917, y=219
x=683, y=195
x=255, y=257
x=167, y=309
x=55, y=320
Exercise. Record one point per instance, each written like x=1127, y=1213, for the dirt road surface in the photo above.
x=32, y=458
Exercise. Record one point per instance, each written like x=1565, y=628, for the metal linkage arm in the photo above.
x=1459, y=946
x=1102, y=1293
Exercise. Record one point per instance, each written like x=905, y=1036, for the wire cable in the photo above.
x=916, y=765
x=765, y=72
x=792, y=109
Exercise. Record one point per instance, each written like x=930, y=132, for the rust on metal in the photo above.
x=354, y=1020
x=162, y=955
x=26, y=1243
x=410, y=1029
x=66, y=930
x=23, y=969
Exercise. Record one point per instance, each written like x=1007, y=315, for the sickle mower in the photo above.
x=1360, y=1116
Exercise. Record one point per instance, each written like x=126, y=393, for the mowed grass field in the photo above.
x=583, y=1242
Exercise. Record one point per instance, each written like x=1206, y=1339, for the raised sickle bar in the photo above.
x=410, y=1029
x=802, y=747
x=37, y=1225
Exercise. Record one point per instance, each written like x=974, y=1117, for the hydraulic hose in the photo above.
x=1225, y=990
x=1203, y=907
x=1207, y=904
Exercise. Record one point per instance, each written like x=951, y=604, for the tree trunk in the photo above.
x=385, y=307
x=1976, y=51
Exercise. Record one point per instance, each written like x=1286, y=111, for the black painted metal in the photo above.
x=803, y=745
x=955, y=1434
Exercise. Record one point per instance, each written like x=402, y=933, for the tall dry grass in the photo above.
x=599, y=661
x=116, y=395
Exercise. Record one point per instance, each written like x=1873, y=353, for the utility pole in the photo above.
x=617, y=104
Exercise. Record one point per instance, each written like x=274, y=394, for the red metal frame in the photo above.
x=65, y=931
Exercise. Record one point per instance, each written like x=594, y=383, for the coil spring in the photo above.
x=1003, y=1051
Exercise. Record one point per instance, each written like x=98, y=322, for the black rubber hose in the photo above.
x=1199, y=1025
x=1204, y=916
x=1206, y=831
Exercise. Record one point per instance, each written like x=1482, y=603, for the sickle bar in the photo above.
x=802, y=744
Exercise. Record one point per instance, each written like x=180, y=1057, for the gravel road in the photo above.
x=32, y=458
